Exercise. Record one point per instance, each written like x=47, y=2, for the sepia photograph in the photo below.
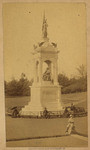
x=45, y=74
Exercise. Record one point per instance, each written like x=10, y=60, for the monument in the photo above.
x=45, y=91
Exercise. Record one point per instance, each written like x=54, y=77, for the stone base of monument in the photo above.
x=43, y=97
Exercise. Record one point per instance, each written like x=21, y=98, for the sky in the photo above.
x=22, y=28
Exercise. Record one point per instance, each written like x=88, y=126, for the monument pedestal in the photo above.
x=41, y=97
x=34, y=107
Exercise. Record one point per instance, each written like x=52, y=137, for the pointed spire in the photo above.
x=44, y=27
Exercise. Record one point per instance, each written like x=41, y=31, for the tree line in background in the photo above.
x=21, y=87
x=75, y=84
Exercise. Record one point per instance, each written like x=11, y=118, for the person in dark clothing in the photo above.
x=15, y=112
x=73, y=107
x=45, y=113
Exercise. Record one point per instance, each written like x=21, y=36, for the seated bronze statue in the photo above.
x=47, y=75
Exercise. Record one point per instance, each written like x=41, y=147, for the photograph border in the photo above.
x=2, y=97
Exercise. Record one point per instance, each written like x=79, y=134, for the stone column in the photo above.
x=49, y=65
x=55, y=72
x=35, y=72
x=40, y=71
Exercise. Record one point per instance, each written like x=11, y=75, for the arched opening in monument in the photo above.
x=37, y=71
x=47, y=70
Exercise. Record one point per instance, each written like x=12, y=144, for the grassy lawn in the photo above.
x=25, y=127
x=79, y=99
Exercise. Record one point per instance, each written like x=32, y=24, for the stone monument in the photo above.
x=45, y=91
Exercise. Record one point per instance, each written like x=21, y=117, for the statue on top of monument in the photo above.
x=44, y=27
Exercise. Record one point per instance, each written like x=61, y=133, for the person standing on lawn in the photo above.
x=70, y=125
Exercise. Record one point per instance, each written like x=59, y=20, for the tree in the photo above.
x=74, y=84
x=63, y=80
x=11, y=88
x=23, y=86
x=19, y=87
x=82, y=71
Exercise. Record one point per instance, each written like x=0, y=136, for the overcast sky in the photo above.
x=22, y=28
